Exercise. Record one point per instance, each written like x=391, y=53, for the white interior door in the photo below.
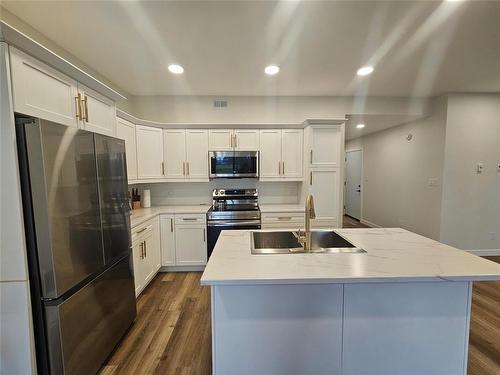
x=354, y=165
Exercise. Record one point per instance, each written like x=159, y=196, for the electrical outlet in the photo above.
x=479, y=167
x=433, y=182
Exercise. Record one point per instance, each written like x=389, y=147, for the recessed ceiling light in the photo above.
x=272, y=70
x=360, y=126
x=176, y=69
x=365, y=70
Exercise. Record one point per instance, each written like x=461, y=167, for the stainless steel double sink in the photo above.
x=287, y=242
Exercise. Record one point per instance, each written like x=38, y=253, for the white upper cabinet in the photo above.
x=292, y=145
x=41, y=91
x=197, y=154
x=149, y=152
x=233, y=139
x=220, y=139
x=186, y=154
x=126, y=130
x=270, y=153
x=98, y=113
x=246, y=139
x=325, y=144
x=174, y=151
x=281, y=153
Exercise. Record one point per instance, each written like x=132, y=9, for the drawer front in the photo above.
x=282, y=217
x=142, y=231
x=324, y=223
x=190, y=219
x=284, y=225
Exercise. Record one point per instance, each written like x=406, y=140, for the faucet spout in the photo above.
x=310, y=214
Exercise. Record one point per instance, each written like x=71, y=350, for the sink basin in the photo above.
x=286, y=242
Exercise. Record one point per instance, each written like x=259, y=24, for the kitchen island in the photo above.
x=403, y=307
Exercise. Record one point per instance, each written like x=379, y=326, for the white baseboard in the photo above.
x=182, y=268
x=369, y=223
x=485, y=252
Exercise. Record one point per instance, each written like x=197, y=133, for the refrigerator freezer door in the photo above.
x=113, y=195
x=90, y=322
x=63, y=182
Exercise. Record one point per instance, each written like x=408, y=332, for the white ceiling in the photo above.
x=417, y=47
x=374, y=123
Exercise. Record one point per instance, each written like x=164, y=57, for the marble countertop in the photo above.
x=141, y=215
x=393, y=255
x=281, y=208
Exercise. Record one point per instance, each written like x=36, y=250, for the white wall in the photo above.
x=471, y=201
x=396, y=192
x=259, y=109
x=201, y=192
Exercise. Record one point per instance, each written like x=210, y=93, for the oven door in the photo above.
x=214, y=227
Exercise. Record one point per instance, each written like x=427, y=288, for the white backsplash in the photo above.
x=178, y=193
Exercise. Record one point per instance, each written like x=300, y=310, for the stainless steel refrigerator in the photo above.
x=77, y=224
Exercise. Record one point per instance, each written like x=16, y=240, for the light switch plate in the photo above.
x=479, y=167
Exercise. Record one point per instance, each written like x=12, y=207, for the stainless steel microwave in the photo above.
x=234, y=164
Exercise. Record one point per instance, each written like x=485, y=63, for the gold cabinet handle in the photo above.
x=310, y=178
x=283, y=167
x=183, y=168
x=235, y=141
x=283, y=218
x=189, y=219
x=142, y=230
x=163, y=168
x=142, y=250
x=171, y=225
x=78, y=103
x=204, y=236
x=85, y=106
x=187, y=168
x=145, y=249
x=311, y=156
x=279, y=168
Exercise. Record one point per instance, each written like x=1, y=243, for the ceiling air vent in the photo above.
x=220, y=103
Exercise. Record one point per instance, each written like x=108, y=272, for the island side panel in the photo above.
x=277, y=329
x=406, y=328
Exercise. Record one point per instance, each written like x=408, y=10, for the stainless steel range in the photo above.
x=232, y=209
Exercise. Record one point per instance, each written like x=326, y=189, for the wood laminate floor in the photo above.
x=171, y=334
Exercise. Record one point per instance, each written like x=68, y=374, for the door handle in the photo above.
x=78, y=104
x=85, y=106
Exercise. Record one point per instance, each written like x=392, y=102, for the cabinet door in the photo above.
x=220, y=140
x=40, y=91
x=98, y=112
x=324, y=186
x=292, y=151
x=190, y=245
x=139, y=275
x=126, y=130
x=149, y=152
x=197, y=154
x=246, y=140
x=153, y=251
x=174, y=151
x=325, y=145
x=167, y=236
x=270, y=153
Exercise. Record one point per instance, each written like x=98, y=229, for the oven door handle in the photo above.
x=226, y=223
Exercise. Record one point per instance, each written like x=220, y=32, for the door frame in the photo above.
x=362, y=181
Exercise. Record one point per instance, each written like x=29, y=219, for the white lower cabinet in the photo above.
x=191, y=245
x=167, y=235
x=146, y=253
x=183, y=240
